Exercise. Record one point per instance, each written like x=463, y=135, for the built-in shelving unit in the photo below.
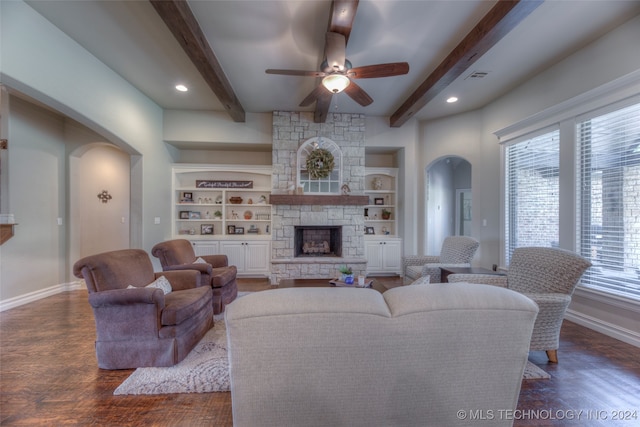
x=214, y=201
x=383, y=246
x=381, y=188
x=225, y=209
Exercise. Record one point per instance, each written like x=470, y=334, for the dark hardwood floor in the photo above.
x=49, y=376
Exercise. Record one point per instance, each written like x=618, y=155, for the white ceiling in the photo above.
x=251, y=36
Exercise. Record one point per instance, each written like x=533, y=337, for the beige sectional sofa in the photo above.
x=438, y=354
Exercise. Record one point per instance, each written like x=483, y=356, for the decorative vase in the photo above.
x=346, y=278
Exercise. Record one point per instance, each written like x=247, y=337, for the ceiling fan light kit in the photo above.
x=336, y=83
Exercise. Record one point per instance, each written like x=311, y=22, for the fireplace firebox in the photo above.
x=318, y=241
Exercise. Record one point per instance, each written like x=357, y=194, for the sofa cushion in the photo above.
x=181, y=305
x=221, y=276
x=422, y=280
x=161, y=283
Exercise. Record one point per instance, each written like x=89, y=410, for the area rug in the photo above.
x=533, y=372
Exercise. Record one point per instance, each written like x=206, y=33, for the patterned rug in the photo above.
x=533, y=372
x=204, y=370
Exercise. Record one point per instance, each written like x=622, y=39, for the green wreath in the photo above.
x=320, y=163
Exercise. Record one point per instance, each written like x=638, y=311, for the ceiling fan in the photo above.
x=338, y=73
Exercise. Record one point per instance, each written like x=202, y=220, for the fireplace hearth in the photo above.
x=318, y=241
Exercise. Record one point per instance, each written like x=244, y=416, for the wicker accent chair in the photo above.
x=457, y=251
x=178, y=254
x=546, y=275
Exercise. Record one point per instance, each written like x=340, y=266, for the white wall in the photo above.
x=103, y=226
x=451, y=136
x=40, y=61
x=34, y=258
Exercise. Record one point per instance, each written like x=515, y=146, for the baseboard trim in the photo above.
x=606, y=328
x=39, y=294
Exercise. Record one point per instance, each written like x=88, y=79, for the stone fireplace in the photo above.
x=291, y=211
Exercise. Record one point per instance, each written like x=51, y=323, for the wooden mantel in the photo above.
x=6, y=232
x=319, y=200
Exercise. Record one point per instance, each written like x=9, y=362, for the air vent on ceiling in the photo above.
x=477, y=75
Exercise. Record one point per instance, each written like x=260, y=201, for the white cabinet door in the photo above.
x=392, y=256
x=373, y=253
x=257, y=257
x=250, y=257
x=235, y=253
x=384, y=256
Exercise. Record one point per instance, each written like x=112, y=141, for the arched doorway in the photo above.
x=448, y=202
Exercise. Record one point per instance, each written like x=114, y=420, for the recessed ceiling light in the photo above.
x=182, y=88
x=452, y=99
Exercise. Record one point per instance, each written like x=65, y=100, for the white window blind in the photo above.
x=609, y=214
x=532, y=187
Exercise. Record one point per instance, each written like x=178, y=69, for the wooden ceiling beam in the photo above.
x=501, y=19
x=180, y=20
x=341, y=17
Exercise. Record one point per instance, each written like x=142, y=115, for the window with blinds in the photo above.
x=609, y=215
x=532, y=192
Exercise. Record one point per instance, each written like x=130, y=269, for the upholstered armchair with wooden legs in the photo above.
x=457, y=251
x=141, y=318
x=546, y=275
x=179, y=255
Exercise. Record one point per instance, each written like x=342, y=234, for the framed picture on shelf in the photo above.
x=378, y=201
x=206, y=228
x=187, y=195
x=184, y=214
x=239, y=230
x=231, y=229
x=194, y=215
x=369, y=230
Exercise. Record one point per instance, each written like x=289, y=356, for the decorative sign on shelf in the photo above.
x=223, y=184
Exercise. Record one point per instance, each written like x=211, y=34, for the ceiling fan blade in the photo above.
x=335, y=47
x=358, y=94
x=379, y=70
x=315, y=94
x=296, y=73
x=322, y=106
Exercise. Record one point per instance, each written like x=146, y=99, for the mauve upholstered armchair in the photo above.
x=457, y=251
x=141, y=326
x=546, y=275
x=178, y=254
